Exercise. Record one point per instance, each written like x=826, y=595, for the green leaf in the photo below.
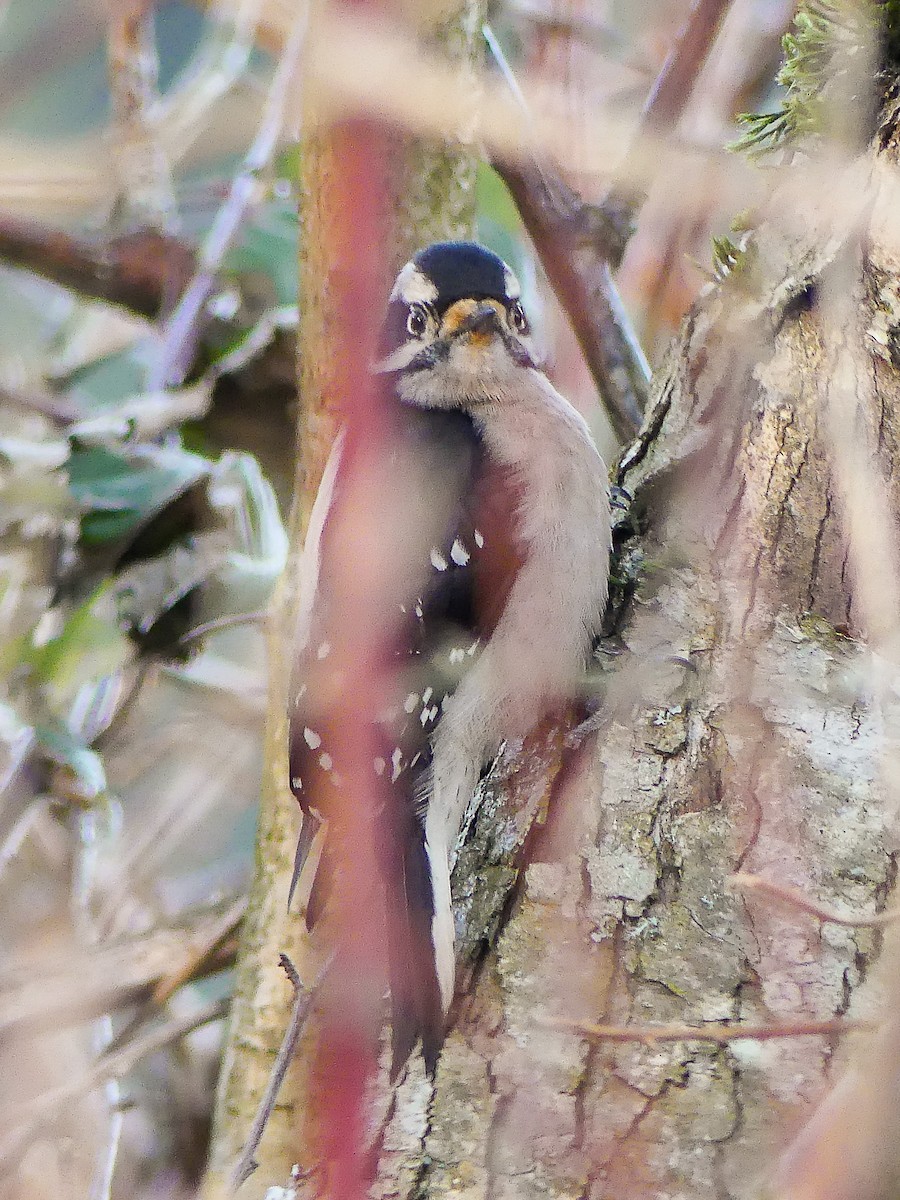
x=269, y=248
x=63, y=747
x=89, y=646
x=118, y=491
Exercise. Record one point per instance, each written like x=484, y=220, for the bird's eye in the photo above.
x=518, y=317
x=417, y=321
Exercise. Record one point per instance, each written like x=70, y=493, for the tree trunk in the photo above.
x=739, y=732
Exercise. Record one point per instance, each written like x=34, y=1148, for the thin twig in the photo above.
x=229, y=622
x=93, y=826
x=791, y=897
x=216, y=935
x=179, y=337
x=54, y=408
x=721, y=1035
x=15, y=839
x=212, y=72
x=145, y=178
x=206, y=952
x=303, y=999
x=30, y=1119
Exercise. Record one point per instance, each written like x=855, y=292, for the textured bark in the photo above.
x=738, y=732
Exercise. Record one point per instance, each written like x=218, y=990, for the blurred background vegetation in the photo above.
x=145, y=484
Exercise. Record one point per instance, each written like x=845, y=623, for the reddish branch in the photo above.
x=790, y=897
x=675, y=82
x=144, y=271
x=721, y=1035
x=578, y=243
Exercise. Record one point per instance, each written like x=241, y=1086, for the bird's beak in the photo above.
x=480, y=321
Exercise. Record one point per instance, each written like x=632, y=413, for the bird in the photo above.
x=505, y=539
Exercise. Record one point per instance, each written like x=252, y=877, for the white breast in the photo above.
x=536, y=654
x=556, y=603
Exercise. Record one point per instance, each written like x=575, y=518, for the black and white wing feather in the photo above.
x=439, y=459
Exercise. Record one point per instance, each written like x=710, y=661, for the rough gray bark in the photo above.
x=739, y=732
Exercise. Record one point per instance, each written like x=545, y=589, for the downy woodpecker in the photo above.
x=508, y=543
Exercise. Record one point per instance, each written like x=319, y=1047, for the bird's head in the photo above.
x=455, y=333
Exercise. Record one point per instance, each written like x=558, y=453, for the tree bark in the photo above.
x=738, y=732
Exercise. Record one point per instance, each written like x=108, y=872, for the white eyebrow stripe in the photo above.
x=511, y=284
x=413, y=287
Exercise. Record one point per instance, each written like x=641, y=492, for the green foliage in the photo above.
x=726, y=257
x=118, y=491
x=268, y=250
x=62, y=746
x=891, y=31
x=499, y=223
x=817, y=50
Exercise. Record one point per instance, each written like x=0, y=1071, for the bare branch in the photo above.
x=578, y=243
x=303, y=998
x=30, y=1119
x=768, y=889
x=55, y=991
x=145, y=179
x=179, y=337
x=721, y=1035
x=674, y=84
x=141, y=271
x=575, y=243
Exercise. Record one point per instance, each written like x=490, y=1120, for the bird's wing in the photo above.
x=443, y=527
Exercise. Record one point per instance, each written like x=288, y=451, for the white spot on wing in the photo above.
x=427, y=694
x=326, y=762
x=410, y=702
x=379, y=765
x=324, y=650
x=438, y=561
x=479, y=538
x=396, y=764
x=311, y=738
x=459, y=553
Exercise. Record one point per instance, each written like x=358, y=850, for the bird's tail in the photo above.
x=418, y=1010
x=418, y=951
